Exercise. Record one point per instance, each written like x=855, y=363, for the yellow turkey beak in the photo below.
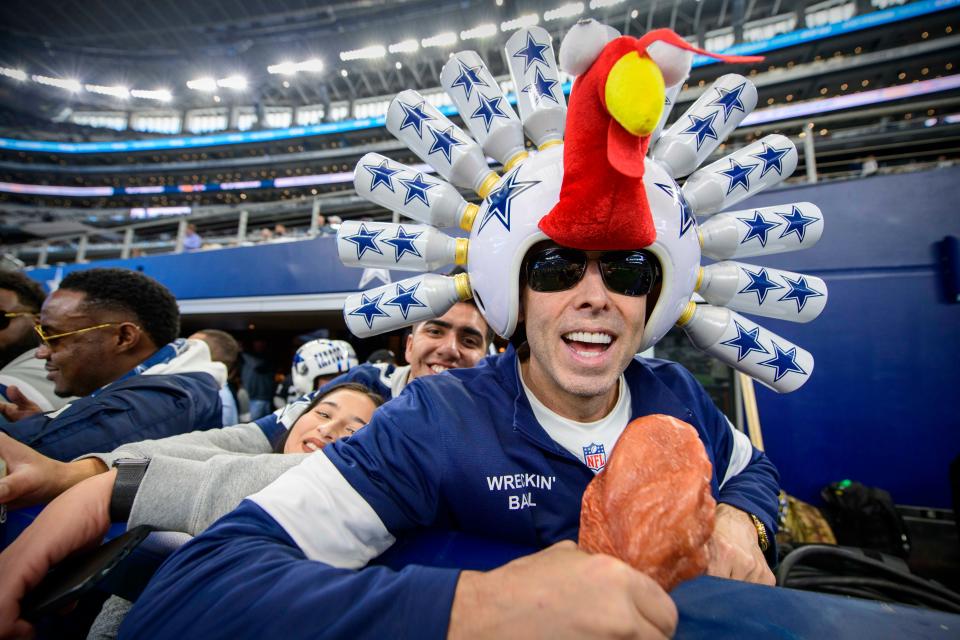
x=635, y=93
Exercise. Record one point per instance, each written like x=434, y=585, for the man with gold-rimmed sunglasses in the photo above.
x=109, y=336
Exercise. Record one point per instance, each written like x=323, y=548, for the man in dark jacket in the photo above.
x=110, y=336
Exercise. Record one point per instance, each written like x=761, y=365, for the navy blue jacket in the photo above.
x=459, y=451
x=130, y=410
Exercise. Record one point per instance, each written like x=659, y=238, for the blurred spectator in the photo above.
x=223, y=348
x=192, y=240
x=111, y=335
x=258, y=380
x=279, y=230
x=20, y=301
x=23, y=377
x=265, y=235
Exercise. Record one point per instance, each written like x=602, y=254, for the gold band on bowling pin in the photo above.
x=469, y=215
x=460, y=253
x=687, y=314
x=512, y=162
x=462, y=283
x=487, y=185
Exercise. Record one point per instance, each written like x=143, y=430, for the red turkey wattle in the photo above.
x=651, y=506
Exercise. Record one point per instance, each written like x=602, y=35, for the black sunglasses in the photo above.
x=630, y=273
x=7, y=317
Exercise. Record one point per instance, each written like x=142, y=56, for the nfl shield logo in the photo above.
x=594, y=456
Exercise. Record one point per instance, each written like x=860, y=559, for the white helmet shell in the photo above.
x=507, y=226
x=320, y=358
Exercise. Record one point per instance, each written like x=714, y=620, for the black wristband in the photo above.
x=130, y=472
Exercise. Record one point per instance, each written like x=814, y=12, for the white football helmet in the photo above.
x=320, y=358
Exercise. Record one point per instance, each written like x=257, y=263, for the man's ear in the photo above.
x=408, y=349
x=129, y=337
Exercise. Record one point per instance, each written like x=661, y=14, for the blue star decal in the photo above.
x=414, y=116
x=541, y=87
x=405, y=299
x=365, y=241
x=468, y=79
x=739, y=175
x=488, y=110
x=382, y=174
x=772, y=158
x=760, y=284
x=799, y=292
x=531, y=53
x=443, y=141
x=702, y=128
x=729, y=99
x=500, y=199
x=796, y=223
x=687, y=220
x=370, y=310
x=417, y=188
x=784, y=362
x=758, y=228
x=403, y=244
x=746, y=341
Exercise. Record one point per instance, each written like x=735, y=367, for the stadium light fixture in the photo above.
x=528, y=20
x=313, y=64
x=73, y=86
x=235, y=82
x=116, y=91
x=480, y=31
x=398, y=65
x=568, y=10
x=601, y=4
x=17, y=74
x=406, y=46
x=344, y=73
x=288, y=68
x=284, y=68
x=163, y=95
x=445, y=39
x=367, y=53
x=202, y=84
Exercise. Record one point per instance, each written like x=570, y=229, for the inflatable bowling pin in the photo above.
x=702, y=127
x=408, y=247
x=403, y=303
x=764, y=231
x=483, y=107
x=741, y=174
x=397, y=187
x=668, y=101
x=440, y=143
x=747, y=347
x=536, y=80
x=762, y=291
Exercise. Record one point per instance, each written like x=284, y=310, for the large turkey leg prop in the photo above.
x=651, y=506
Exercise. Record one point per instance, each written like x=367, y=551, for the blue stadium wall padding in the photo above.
x=271, y=269
x=880, y=406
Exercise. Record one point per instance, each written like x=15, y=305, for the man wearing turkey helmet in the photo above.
x=504, y=450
